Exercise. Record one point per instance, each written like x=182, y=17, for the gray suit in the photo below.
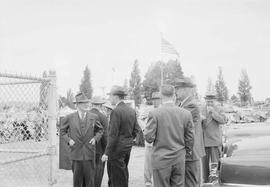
x=171, y=130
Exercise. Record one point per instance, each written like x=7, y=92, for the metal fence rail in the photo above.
x=27, y=130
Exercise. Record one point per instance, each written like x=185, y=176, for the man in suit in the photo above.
x=171, y=130
x=82, y=130
x=212, y=132
x=123, y=128
x=185, y=92
x=101, y=145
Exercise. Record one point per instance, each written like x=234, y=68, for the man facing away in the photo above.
x=123, y=128
x=185, y=96
x=171, y=130
x=96, y=108
x=82, y=130
x=213, y=119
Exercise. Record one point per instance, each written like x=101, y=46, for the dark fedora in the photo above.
x=81, y=98
x=184, y=82
x=97, y=100
x=117, y=90
x=156, y=95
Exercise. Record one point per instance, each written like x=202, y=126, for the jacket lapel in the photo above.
x=76, y=121
x=88, y=124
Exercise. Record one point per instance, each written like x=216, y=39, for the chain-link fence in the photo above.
x=27, y=132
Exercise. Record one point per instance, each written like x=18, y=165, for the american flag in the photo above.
x=168, y=48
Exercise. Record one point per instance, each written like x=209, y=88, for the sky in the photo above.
x=67, y=35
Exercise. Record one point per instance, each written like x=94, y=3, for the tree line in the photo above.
x=137, y=89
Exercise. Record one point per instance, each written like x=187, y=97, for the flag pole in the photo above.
x=161, y=65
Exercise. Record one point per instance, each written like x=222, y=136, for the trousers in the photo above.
x=83, y=173
x=99, y=170
x=193, y=174
x=118, y=170
x=171, y=176
x=148, y=170
x=212, y=156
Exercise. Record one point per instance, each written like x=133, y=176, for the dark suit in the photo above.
x=100, y=147
x=82, y=153
x=193, y=172
x=123, y=128
x=171, y=130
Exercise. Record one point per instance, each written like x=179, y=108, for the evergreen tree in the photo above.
x=244, y=88
x=86, y=85
x=135, y=83
x=221, y=88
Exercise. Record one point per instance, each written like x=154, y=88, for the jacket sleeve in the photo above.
x=136, y=129
x=104, y=121
x=64, y=129
x=217, y=116
x=150, y=128
x=98, y=130
x=113, y=132
x=189, y=136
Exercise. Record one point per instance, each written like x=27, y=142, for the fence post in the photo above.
x=52, y=104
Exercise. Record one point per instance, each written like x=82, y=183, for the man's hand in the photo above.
x=71, y=142
x=104, y=158
x=210, y=109
x=92, y=141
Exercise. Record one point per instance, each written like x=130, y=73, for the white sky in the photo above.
x=67, y=35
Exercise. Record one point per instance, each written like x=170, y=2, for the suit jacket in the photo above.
x=212, y=131
x=198, y=149
x=70, y=129
x=171, y=130
x=101, y=145
x=123, y=128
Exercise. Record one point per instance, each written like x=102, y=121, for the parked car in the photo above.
x=246, y=155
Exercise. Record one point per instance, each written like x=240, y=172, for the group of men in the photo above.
x=179, y=135
x=93, y=141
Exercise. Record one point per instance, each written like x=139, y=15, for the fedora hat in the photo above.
x=81, y=98
x=184, y=82
x=97, y=100
x=117, y=90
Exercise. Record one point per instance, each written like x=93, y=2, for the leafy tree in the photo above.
x=171, y=70
x=135, y=83
x=221, y=88
x=86, y=85
x=244, y=88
